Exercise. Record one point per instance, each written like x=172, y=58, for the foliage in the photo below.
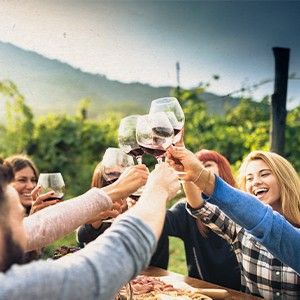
x=74, y=144
x=292, y=135
x=19, y=120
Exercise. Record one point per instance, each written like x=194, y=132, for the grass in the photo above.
x=177, y=261
x=68, y=240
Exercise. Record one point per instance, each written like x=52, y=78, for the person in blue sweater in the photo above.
x=209, y=257
x=265, y=216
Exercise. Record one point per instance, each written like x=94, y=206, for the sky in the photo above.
x=141, y=40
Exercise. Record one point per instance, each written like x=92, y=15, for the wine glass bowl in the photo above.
x=127, y=137
x=114, y=162
x=154, y=133
x=172, y=108
x=52, y=182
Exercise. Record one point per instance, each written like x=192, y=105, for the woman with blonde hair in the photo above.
x=267, y=177
x=287, y=180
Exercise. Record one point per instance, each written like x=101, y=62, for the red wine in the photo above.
x=157, y=152
x=60, y=197
x=163, y=131
x=136, y=152
x=176, y=131
x=135, y=197
x=108, y=182
x=111, y=177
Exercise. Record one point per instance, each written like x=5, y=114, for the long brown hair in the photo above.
x=225, y=173
x=19, y=162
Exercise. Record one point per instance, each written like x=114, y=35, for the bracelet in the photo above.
x=200, y=173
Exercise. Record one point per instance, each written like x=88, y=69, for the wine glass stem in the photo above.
x=159, y=159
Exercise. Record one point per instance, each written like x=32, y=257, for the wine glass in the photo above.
x=52, y=182
x=171, y=106
x=154, y=134
x=114, y=162
x=127, y=138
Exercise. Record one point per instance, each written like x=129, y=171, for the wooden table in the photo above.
x=233, y=294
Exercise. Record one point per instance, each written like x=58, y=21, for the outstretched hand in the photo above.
x=183, y=160
x=41, y=201
x=130, y=180
x=163, y=178
x=118, y=207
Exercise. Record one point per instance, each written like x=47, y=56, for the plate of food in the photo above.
x=159, y=288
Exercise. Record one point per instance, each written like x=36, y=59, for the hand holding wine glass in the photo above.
x=52, y=182
x=49, y=191
x=114, y=162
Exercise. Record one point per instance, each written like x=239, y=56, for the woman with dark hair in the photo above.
x=208, y=256
x=25, y=182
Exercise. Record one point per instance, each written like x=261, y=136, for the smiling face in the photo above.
x=262, y=183
x=24, y=182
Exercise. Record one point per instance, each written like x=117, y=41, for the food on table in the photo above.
x=64, y=250
x=152, y=288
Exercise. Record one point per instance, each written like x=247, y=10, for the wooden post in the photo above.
x=278, y=106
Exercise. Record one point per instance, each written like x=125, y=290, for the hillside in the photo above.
x=52, y=86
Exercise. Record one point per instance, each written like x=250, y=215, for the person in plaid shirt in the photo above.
x=273, y=180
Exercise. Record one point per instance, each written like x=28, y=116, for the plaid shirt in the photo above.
x=261, y=274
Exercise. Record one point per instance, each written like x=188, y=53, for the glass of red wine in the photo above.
x=52, y=182
x=127, y=138
x=171, y=106
x=114, y=162
x=154, y=134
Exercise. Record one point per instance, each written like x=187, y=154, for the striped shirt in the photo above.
x=261, y=273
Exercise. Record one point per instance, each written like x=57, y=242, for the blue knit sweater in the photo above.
x=270, y=228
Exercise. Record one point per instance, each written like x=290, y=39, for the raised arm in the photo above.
x=270, y=228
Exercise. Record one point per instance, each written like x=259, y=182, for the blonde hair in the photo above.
x=287, y=179
x=97, y=179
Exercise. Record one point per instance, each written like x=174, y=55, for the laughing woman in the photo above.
x=25, y=182
x=273, y=221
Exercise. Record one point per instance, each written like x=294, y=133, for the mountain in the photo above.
x=53, y=86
